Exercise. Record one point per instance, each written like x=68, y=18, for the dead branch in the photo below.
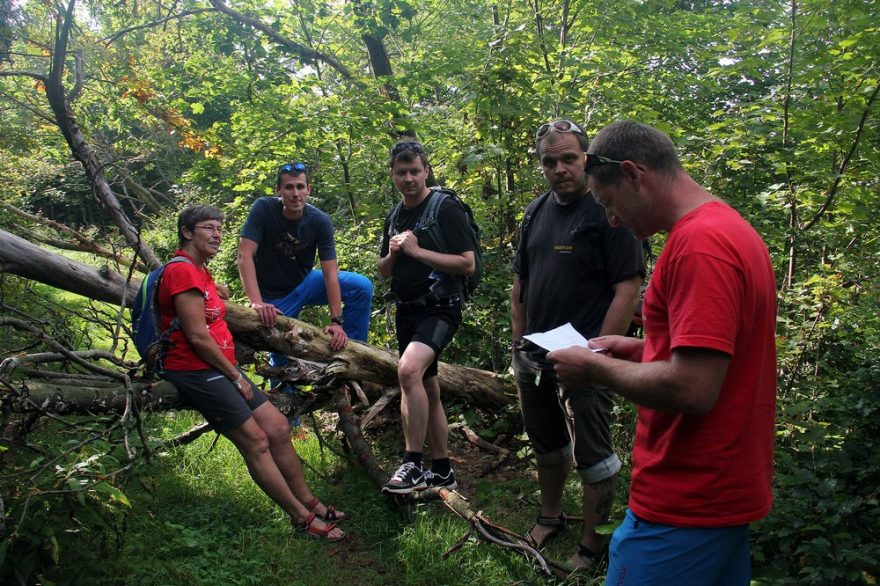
x=378, y=406
x=489, y=531
x=348, y=425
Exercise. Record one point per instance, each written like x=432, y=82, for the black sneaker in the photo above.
x=435, y=480
x=407, y=478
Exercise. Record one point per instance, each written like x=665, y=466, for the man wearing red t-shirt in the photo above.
x=704, y=377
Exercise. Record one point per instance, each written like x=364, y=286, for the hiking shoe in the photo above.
x=435, y=480
x=407, y=478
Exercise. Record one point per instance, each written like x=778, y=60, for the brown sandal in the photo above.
x=308, y=529
x=331, y=515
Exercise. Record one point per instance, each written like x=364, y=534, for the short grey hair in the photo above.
x=190, y=216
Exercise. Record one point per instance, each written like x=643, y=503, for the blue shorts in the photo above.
x=648, y=553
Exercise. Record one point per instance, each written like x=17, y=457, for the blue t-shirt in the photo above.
x=286, y=248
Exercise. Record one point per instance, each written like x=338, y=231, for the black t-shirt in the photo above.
x=411, y=279
x=574, y=257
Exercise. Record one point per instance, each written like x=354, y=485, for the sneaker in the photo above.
x=407, y=478
x=435, y=480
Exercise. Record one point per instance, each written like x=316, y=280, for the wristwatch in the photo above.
x=336, y=320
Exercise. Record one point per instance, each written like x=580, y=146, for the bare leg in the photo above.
x=438, y=427
x=277, y=429
x=597, y=501
x=414, y=402
x=253, y=444
x=551, y=479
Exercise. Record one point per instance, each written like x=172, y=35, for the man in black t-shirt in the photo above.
x=425, y=286
x=570, y=267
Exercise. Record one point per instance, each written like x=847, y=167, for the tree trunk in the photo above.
x=357, y=361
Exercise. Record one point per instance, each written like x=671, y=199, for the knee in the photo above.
x=409, y=373
x=256, y=443
x=362, y=287
x=277, y=430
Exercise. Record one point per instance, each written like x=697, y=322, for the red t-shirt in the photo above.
x=177, y=278
x=714, y=288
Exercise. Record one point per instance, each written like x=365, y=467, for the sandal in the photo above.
x=331, y=515
x=308, y=529
x=557, y=522
x=587, y=556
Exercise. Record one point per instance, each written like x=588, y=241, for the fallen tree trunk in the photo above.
x=356, y=361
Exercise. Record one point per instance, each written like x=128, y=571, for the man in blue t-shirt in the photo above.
x=276, y=256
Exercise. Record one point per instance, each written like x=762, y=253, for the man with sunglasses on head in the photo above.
x=570, y=267
x=704, y=377
x=425, y=286
x=276, y=258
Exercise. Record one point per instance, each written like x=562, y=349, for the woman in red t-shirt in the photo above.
x=201, y=365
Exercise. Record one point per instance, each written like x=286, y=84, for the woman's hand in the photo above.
x=244, y=387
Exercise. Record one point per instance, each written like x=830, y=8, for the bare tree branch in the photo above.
x=832, y=191
x=303, y=52
x=109, y=40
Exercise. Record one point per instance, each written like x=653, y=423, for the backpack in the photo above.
x=151, y=343
x=428, y=223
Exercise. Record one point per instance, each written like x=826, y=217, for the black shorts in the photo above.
x=215, y=397
x=433, y=326
x=558, y=420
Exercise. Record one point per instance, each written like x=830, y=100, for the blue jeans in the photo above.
x=646, y=554
x=357, y=298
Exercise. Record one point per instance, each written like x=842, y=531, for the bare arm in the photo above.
x=386, y=264
x=689, y=382
x=190, y=308
x=619, y=315
x=330, y=270
x=247, y=271
x=451, y=263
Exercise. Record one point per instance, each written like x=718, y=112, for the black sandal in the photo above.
x=557, y=522
x=589, y=556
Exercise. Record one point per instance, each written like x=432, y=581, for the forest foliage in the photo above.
x=773, y=106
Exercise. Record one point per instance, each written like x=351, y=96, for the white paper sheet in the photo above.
x=558, y=338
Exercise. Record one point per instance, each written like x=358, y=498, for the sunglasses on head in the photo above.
x=558, y=126
x=596, y=160
x=407, y=146
x=290, y=168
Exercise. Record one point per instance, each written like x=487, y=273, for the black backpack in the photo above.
x=428, y=224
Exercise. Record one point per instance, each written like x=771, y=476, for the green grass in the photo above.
x=197, y=518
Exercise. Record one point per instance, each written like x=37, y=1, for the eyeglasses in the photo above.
x=596, y=160
x=558, y=126
x=290, y=168
x=211, y=229
x=407, y=146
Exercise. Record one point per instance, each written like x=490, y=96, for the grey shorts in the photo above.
x=215, y=397
x=561, y=423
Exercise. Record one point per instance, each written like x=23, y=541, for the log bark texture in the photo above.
x=356, y=361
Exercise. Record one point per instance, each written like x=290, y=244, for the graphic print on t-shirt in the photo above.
x=289, y=245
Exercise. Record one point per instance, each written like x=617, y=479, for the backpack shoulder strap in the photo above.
x=392, y=219
x=433, y=209
x=531, y=210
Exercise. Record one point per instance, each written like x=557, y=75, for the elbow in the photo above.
x=698, y=404
x=240, y=260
